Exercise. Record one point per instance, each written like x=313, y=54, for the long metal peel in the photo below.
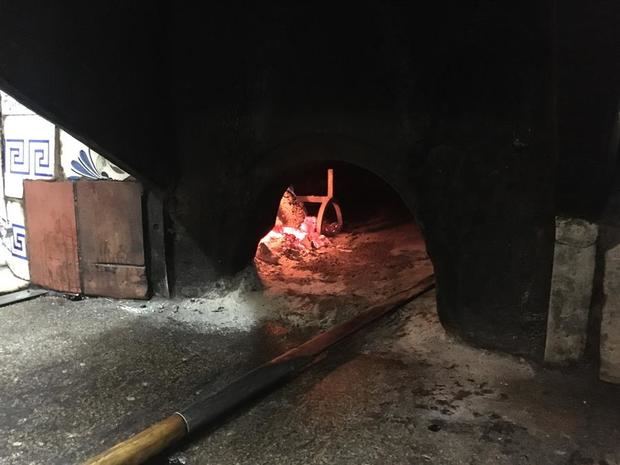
x=211, y=408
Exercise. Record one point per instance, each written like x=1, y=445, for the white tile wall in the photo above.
x=10, y=106
x=2, y=201
x=4, y=250
x=29, y=147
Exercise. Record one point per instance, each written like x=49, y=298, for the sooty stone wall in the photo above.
x=455, y=104
x=452, y=110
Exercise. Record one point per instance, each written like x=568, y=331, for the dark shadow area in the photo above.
x=363, y=195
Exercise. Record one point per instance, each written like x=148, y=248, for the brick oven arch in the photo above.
x=488, y=291
x=277, y=167
x=271, y=176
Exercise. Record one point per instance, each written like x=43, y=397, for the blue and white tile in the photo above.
x=17, y=259
x=3, y=223
x=79, y=161
x=29, y=146
x=2, y=201
x=4, y=239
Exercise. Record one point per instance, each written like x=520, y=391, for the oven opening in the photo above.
x=342, y=240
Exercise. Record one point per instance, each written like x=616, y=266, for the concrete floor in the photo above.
x=77, y=376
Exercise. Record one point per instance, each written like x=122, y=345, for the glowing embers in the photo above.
x=294, y=234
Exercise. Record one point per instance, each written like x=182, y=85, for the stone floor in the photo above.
x=77, y=376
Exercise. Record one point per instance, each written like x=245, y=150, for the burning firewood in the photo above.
x=291, y=212
x=265, y=254
x=294, y=233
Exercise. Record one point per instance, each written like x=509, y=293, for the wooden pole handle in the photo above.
x=143, y=445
